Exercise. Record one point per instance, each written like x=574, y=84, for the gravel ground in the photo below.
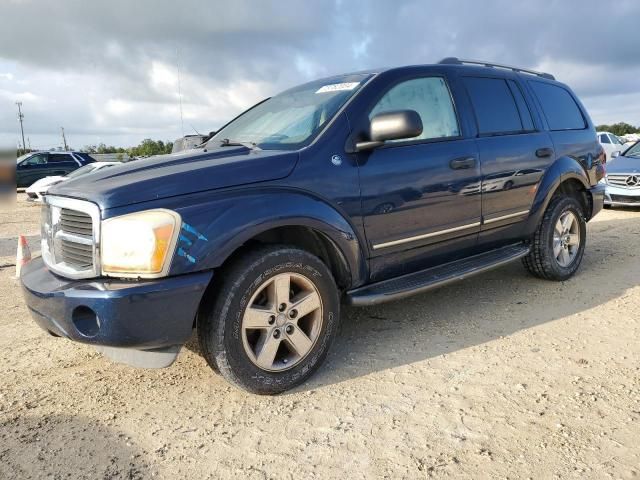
x=499, y=376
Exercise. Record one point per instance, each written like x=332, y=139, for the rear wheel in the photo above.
x=273, y=320
x=558, y=245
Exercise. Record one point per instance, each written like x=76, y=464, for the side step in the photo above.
x=406, y=285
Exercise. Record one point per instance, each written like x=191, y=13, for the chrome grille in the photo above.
x=70, y=233
x=630, y=181
x=75, y=222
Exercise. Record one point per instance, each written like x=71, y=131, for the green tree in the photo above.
x=150, y=147
x=619, y=129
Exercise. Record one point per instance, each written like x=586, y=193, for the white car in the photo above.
x=611, y=143
x=38, y=189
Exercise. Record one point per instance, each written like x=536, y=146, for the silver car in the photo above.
x=623, y=179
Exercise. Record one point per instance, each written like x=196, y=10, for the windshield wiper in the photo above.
x=235, y=143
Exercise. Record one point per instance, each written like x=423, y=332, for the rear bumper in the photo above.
x=597, y=199
x=145, y=316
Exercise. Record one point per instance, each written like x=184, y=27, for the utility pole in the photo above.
x=64, y=140
x=21, y=117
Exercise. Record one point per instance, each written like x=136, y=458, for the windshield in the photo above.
x=293, y=118
x=23, y=157
x=634, y=151
x=81, y=171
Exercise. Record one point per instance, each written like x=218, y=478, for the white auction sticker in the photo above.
x=336, y=87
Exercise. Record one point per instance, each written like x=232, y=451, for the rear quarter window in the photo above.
x=559, y=107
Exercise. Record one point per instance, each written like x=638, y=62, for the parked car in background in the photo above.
x=39, y=188
x=611, y=143
x=623, y=179
x=36, y=165
x=342, y=189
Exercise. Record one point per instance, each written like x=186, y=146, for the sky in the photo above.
x=119, y=71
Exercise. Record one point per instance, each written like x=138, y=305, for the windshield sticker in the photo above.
x=337, y=87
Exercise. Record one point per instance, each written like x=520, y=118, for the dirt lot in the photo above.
x=500, y=376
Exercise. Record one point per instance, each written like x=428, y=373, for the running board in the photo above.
x=418, y=282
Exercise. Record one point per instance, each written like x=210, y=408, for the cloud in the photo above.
x=116, y=71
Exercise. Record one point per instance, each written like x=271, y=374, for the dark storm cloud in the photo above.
x=115, y=45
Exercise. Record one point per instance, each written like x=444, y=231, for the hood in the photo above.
x=178, y=174
x=623, y=165
x=46, y=182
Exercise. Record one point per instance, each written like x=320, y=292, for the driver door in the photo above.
x=32, y=169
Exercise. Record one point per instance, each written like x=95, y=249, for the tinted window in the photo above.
x=39, y=159
x=430, y=98
x=615, y=140
x=604, y=138
x=59, y=157
x=523, y=108
x=494, y=105
x=559, y=107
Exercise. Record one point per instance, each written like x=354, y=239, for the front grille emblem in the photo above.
x=632, y=181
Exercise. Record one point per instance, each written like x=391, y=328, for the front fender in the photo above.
x=564, y=168
x=214, y=227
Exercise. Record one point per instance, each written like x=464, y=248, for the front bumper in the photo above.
x=143, y=317
x=622, y=197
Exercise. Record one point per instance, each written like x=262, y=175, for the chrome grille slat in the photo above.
x=623, y=180
x=70, y=237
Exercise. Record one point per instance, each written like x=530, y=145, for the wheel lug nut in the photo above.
x=272, y=319
x=293, y=313
x=276, y=333
x=282, y=307
x=289, y=329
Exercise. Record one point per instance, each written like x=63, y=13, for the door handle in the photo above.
x=544, y=152
x=462, y=163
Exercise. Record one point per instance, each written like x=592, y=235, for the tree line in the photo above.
x=146, y=148
x=618, y=129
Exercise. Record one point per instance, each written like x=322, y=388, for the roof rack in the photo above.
x=458, y=61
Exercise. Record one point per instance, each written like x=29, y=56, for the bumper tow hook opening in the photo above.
x=86, y=321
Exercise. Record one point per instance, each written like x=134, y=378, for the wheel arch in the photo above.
x=226, y=227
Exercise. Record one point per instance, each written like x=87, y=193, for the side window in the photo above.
x=431, y=99
x=59, y=158
x=615, y=140
x=494, y=106
x=40, y=159
x=604, y=138
x=523, y=108
x=559, y=107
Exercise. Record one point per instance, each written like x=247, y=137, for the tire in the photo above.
x=542, y=261
x=236, y=351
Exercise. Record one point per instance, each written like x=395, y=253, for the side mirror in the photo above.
x=615, y=154
x=394, y=125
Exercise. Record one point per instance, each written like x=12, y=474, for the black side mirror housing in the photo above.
x=394, y=125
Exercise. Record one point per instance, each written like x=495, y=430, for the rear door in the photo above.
x=514, y=153
x=62, y=163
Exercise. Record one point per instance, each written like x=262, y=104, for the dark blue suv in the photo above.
x=360, y=188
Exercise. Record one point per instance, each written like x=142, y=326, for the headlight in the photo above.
x=139, y=244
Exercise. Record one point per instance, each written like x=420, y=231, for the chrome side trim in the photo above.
x=505, y=217
x=426, y=235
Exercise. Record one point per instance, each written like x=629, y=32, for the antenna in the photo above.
x=194, y=129
x=180, y=91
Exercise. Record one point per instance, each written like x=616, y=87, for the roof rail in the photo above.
x=458, y=61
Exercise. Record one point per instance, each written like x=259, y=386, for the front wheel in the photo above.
x=558, y=245
x=272, y=321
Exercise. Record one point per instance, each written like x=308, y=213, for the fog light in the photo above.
x=86, y=321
